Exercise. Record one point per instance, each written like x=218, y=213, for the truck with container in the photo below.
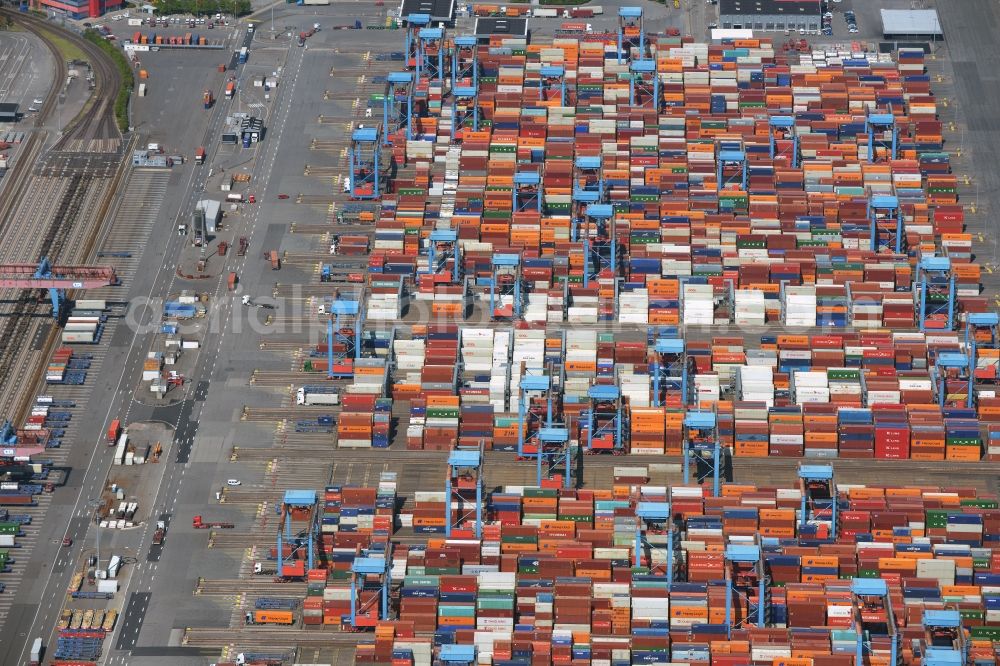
x=161, y=529
x=114, y=432
x=208, y=98
x=200, y=524
x=317, y=394
x=279, y=617
x=230, y=89
x=199, y=155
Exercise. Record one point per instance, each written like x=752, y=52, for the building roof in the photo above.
x=438, y=10
x=211, y=207
x=771, y=7
x=514, y=27
x=911, y=22
x=8, y=109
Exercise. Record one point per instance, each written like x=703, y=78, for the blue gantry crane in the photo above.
x=954, y=378
x=885, y=216
x=644, y=84
x=365, y=163
x=819, y=500
x=542, y=429
x=464, y=108
x=945, y=642
x=430, y=54
x=877, y=127
x=588, y=188
x=343, y=341
x=732, y=159
x=606, y=421
x=464, y=486
x=297, y=500
x=784, y=138
x=56, y=279
x=527, y=195
x=600, y=243
x=654, y=535
x=701, y=442
x=372, y=570
x=747, y=583
x=552, y=78
x=873, y=621
x=631, y=34
x=506, y=287
x=414, y=24
x=670, y=370
x=982, y=329
x=935, y=295
x=397, y=105
x=465, y=61
x=444, y=254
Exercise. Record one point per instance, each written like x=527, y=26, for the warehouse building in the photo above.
x=508, y=27
x=768, y=15
x=79, y=9
x=8, y=112
x=911, y=24
x=440, y=11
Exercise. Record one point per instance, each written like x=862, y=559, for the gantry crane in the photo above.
x=701, y=442
x=819, y=500
x=464, y=485
x=414, y=24
x=606, y=420
x=371, y=571
x=654, y=535
x=781, y=130
x=551, y=78
x=343, y=342
x=935, y=294
x=57, y=279
x=600, y=243
x=954, y=378
x=873, y=621
x=631, y=34
x=397, y=105
x=297, y=501
x=443, y=249
x=365, y=178
x=430, y=54
x=945, y=642
x=746, y=583
x=506, y=287
x=877, y=125
x=731, y=157
x=527, y=193
x=885, y=217
x=670, y=370
x=644, y=84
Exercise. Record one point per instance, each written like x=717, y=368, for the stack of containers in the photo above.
x=633, y=307
x=756, y=384
x=800, y=306
x=648, y=430
x=698, y=304
x=383, y=300
x=811, y=387
x=750, y=307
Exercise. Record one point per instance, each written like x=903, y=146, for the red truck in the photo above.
x=199, y=155
x=199, y=524
x=114, y=432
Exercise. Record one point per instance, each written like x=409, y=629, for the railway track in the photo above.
x=40, y=214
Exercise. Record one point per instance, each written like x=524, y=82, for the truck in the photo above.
x=208, y=98
x=317, y=395
x=274, y=259
x=36, y=652
x=161, y=529
x=230, y=89
x=282, y=617
x=200, y=524
x=243, y=55
x=114, y=431
x=262, y=569
x=199, y=155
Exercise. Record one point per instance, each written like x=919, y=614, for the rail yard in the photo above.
x=449, y=333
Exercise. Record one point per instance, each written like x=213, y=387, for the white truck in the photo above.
x=318, y=395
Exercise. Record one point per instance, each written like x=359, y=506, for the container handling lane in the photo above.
x=176, y=483
x=31, y=622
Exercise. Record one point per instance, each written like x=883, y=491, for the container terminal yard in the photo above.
x=438, y=333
